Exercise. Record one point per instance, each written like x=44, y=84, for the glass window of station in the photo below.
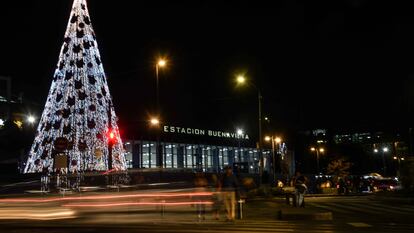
x=198, y=157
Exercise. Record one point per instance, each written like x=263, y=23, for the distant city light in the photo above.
x=278, y=140
x=267, y=138
x=1, y=122
x=375, y=150
x=385, y=149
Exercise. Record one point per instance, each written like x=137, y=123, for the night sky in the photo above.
x=345, y=65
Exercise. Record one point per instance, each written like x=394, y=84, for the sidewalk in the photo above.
x=277, y=209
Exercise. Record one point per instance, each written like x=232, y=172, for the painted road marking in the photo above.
x=359, y=224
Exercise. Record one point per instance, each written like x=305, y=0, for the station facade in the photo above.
x=199, y=150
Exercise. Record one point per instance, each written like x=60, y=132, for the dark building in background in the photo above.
x=368, y=151
x=18, y=119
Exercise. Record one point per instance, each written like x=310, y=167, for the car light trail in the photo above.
x=102, y=197
x=33, y=214
x=139, y=203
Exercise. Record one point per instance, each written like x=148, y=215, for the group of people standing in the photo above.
x=225, y=191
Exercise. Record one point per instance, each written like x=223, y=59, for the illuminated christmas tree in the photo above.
x=78, y=122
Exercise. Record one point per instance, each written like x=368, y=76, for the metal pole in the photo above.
x=158, y=152
x=157, y=90
x=399, y=167
x=383, y=163
x=317, y=161
x=273, y=160
x=239, y=157
x=260, y=136
x=410, y=139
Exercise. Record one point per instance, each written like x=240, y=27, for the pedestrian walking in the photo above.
x=300, y=190
x=200, y=183
x=230, y=186
x=217, y=196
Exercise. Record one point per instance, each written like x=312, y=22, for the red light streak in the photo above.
x=109, y=171
x=102, y=197
x=140, y=203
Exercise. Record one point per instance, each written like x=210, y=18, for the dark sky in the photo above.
x=337, y=64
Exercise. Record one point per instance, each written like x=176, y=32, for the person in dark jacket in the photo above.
x=229, y=184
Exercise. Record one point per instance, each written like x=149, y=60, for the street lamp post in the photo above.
x=384, y=165
x=161, y=63
x=317, y=150
x=270, y=138
x=242, y=80
x=239, y=134
x=259, y=98
x=155, y=123
x=274, y=141
x=399, y=159
x=385, y=149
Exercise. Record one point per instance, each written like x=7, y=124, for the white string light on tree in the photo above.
x=79, y=115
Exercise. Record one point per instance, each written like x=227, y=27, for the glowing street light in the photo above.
x=278, y=140
x=154, y=121
x=239, y=132
x=241, y=79
x=31, y=119
x=161, y=62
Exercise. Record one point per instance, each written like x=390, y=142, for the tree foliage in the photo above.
x=338, y=168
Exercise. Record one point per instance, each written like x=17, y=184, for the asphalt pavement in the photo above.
x=350, y=214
